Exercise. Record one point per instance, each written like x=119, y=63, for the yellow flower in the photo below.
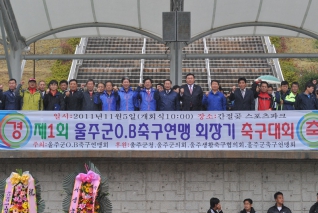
x=13, y=207
x=25, y=205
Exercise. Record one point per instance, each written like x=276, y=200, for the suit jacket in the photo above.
x=240, y=103
x=195, y=99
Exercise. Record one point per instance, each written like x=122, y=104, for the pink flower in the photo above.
x=81, y=206
x=18, y=187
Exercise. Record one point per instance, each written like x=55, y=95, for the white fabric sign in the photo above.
x=200, y=130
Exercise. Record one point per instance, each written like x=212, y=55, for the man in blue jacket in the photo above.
x=107, y=98
x=147, y=96
x=307, y=100
x=214, y=100
x=127, y=97
x=9, y=99
x=168, y=100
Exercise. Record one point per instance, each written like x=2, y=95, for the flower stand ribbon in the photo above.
x=85, y=192
x=20, y=194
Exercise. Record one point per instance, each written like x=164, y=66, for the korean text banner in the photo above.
x=235, y=130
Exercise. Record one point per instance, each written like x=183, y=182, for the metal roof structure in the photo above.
x=27, y=21
x=47, y=19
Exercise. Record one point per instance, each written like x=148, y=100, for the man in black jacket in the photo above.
x=215, y=206
x=314, y=208
x=88, y=97
x=243, y=98
x=191, y=95
x=279, y=206
x=307, y=100
x=248, y=207
x=53, y=99
x=74, y=97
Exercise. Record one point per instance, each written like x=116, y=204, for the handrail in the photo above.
x=80, y=49
x=207, y=62
x=271, y=49
x=142, y=62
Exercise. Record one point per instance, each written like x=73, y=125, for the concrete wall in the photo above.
x=181, y=186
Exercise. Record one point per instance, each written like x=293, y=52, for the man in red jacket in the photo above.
x=265, y=100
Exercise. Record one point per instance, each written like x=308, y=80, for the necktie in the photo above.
x=148, y=91
x=243, y=93
x=167, y=91
x=190, y=89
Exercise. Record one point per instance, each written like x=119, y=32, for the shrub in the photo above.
x=61, y=68
x=306, y=76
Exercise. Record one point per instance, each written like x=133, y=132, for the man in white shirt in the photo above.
x=41, y=88
x=279, y=205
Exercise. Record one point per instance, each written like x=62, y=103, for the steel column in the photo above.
x=176, y=62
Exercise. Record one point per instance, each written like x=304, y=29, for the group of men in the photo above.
x=285, y=98
x=66, y=95
x=279, y=207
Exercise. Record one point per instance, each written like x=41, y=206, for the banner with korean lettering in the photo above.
x=231, y=130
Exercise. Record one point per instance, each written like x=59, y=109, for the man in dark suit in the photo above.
x=191, y=95
x=168, y=100
x=243, y=98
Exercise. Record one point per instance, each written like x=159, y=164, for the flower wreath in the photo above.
x=86, y=192
x=20, y=193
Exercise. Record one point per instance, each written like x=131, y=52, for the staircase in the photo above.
x=227, y=71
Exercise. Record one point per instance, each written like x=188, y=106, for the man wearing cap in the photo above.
x=314, y=208
x=31, y=97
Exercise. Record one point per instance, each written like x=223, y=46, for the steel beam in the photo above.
x=165, y=56
x=250, y=55
x=254, y=24
x=13, y=21
x=95, y=56
x=5, y=46
x=176, y=5
x=8, y=26
x=93, y=24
